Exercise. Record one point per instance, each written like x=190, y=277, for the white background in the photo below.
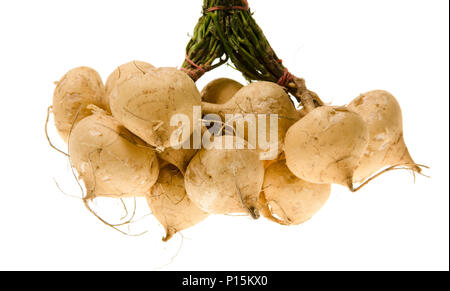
x=342, y=48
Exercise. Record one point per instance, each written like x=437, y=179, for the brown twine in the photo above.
x=218, y=8
x=195, y=74
x=286, y=78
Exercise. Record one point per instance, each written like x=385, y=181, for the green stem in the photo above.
x=234, y=33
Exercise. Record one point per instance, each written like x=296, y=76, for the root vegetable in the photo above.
x=123, y=72
x=220, y=91
x=74, y=92
x=325, y=146
x=281, y=157
x=110, y=160
x=170, y=204
x=263, y=98
x=290, y=200
x=383, y=116
x=180, y=158
x=222, y=181
x=146, y=103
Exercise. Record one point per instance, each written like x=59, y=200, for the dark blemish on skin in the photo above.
x=147, y=92
x=360, y=101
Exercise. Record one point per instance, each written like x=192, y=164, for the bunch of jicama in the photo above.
x=119, y=144
x=149, y=132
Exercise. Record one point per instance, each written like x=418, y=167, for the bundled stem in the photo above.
x=204, y=48
x=227, y=28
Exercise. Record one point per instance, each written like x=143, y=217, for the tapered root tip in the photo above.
x=351, y=186
x=167, y=237
x=417, y=169
x=254, y=213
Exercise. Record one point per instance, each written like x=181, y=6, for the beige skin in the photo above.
x=281, y=157
x=170, y=204
x=122, y=73
x=259, y=98
x=73, y=93
x=110, y=160
x=225, y=181
x=383, y=116
x=325, y=146
x=180, y=158
x=220, y=91
x=289, y=200
x=145, y=104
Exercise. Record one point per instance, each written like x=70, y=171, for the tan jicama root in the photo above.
x=383, y=116
x=111, y=161
x=326, y=145
x=123, y=72
x=281, y=157
x=225, y=181
x=73, y=93
x=262, y=98
x=220, y=91
x=170, y=204
x=289, y=200
x=180, y=157
x=146, y=103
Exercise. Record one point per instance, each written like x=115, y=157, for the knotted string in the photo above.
x=286, y=78
x=217, y=8
x=194, y=74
